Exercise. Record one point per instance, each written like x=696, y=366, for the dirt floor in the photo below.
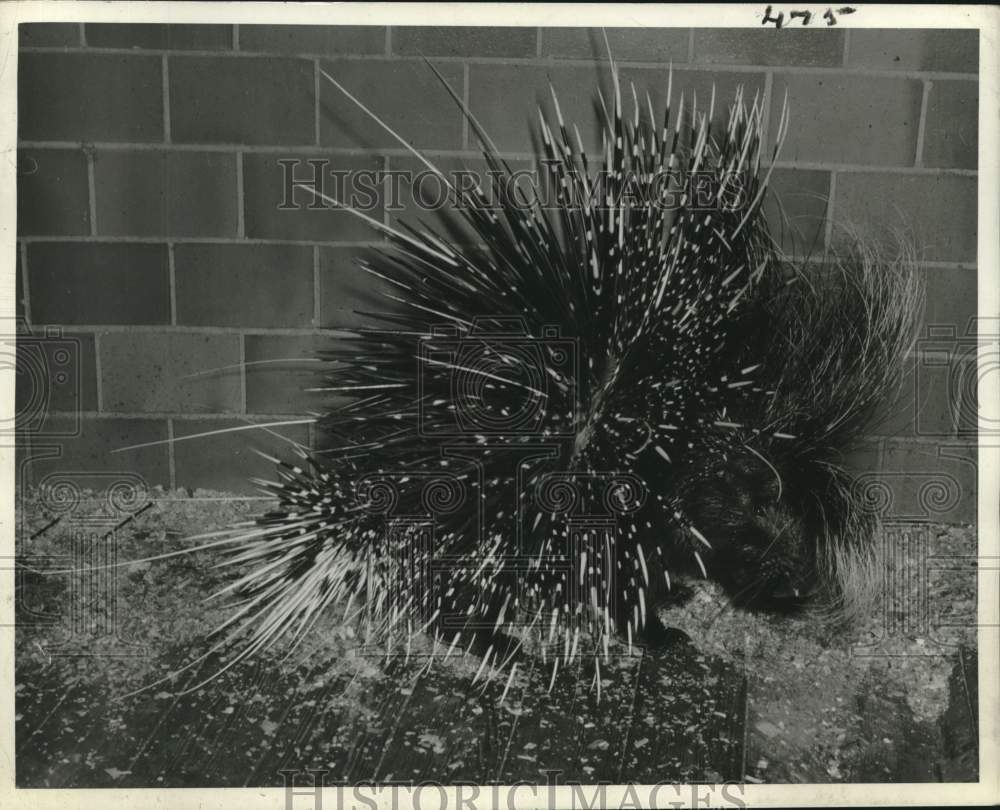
x=754, y=698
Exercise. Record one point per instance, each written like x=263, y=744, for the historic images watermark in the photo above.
x=306, y=790
x=312, y=184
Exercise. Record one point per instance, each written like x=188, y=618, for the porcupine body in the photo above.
x=623, y=386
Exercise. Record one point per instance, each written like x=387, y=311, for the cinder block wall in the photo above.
x=148, y=226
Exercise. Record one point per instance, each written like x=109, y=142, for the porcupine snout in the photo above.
x=775, y=556
x=761, y=552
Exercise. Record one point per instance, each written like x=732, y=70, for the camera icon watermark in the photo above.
x=497, y=379
x=957, y=363
x=44, y=369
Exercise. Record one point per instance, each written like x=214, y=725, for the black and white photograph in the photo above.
x=409, y=401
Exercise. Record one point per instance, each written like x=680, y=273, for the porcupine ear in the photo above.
x=844, y=327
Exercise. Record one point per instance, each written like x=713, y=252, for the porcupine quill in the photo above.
x=629, y=346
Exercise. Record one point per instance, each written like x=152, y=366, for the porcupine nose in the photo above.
x=782, y=560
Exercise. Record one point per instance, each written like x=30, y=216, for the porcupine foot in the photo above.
x=657, y=637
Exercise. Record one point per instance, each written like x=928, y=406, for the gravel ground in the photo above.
x=824, y=704
x=831, y=704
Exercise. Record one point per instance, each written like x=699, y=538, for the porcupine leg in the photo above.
x=652, y=633
x=656, y=635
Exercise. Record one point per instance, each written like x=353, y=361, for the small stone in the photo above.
x=767, y=728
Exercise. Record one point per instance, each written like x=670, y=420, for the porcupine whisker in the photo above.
x=202, y=435
x=167, y=678
x=370, y=387
x=248, y=363
x=727, y=606
x=402, y=141
x=240, y=656
x=773, y=469
x=365, y=446
x=754, y=589
x=301, y=634
x=466, y=111
x=376, y=224
x=302, y=448
x=154, y=558
x=468, y=370
x=767, y=549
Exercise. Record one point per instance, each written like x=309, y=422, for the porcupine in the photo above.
x=642, y=344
